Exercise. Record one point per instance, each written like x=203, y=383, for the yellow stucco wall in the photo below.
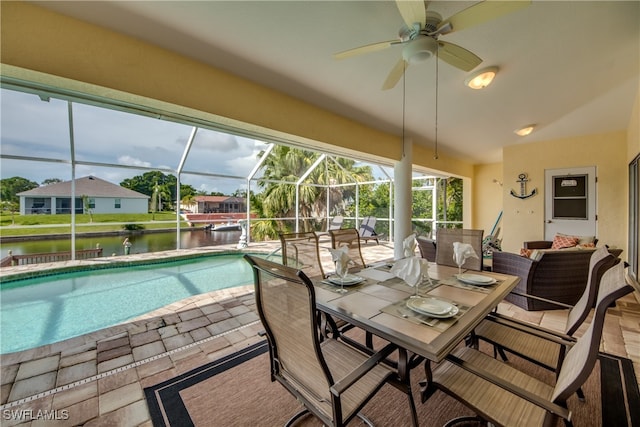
x=76, y=55
x=524, y=219
x=633, y=131
x=488, y=196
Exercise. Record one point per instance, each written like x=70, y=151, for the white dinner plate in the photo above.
x=432, y=307
x=349, y=280
x=476, y=279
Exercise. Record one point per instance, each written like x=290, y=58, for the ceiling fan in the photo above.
x=422, y=29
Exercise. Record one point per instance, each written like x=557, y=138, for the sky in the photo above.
x=31, y=127
x=35, y=128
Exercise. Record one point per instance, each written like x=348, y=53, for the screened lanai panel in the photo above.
x=205, y=184
x=423, y=209
x=34, y=171
x=33, y=127
x=225, y=156
x=119, y=138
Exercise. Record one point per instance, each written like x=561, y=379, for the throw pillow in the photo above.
x=582, y=240
x=525, y=252
x=560, y=242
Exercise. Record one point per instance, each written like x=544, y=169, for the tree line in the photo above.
x=329, y=187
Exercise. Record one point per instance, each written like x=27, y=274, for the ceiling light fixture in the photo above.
x=482, y=78
x=524, y=131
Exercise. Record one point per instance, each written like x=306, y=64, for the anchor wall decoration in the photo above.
x=522, y=179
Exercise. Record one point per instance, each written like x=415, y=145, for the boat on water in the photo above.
x=229, y=226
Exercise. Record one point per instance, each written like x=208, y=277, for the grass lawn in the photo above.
x=25, y=225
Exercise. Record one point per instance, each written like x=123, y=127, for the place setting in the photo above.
x=410, y=270
x=342, y=281
x=426, y=310
x=477, y=282
x=437, y=313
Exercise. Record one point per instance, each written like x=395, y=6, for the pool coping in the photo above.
x=31, y=271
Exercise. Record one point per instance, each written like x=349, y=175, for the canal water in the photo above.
x=141, y=243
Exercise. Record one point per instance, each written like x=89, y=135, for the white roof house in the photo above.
x=103, y=197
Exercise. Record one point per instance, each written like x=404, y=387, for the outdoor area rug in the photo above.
x=165, y=403
x=237, y=391
x=620, y=393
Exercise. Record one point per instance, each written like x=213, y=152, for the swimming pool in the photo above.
x=44, y=310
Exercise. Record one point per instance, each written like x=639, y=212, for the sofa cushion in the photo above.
x=562, y=241
x=536, y=254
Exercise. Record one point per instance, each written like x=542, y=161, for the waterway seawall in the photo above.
x=57, y=236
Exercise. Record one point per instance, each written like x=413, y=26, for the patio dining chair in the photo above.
x=333, y=380
x=427, y=248
x=444, y=246
x=539, y=345
x=500, y=394
x=351, y=238
x=301, y=251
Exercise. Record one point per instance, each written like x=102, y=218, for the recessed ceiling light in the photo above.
x=524, y=131
x=482, y=78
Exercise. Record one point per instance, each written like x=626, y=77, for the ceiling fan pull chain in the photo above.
x=436, y=144
x=404, y=96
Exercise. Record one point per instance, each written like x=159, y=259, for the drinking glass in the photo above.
x=415, y=295
x=459, y=260
x=341, y=272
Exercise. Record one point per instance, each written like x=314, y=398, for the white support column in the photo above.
x=402, y=198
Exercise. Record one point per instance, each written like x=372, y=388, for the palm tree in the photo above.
x=287, y=165
x=87, y=206
x=188, y=200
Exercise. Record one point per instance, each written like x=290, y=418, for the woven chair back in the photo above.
x=445, y=237
x=301, y=251
x=427, y=248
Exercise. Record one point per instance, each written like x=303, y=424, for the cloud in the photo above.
x=210, y=140
x=130, y=161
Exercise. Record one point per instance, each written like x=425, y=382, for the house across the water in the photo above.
x=101, y=197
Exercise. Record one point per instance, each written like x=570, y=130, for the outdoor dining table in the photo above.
x=378, y=305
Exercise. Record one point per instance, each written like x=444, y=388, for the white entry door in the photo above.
x=570, y=202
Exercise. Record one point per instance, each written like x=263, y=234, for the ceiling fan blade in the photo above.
x=458, y=56
x=374, y=47
x=412, y=12
x=396, y=73
x=479, y=13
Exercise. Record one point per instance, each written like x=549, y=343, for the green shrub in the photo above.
x=133, y=227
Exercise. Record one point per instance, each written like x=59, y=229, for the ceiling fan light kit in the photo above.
x=525, y=130
x=420, y=49
x=482, y=78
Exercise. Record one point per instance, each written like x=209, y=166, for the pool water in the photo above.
x=44, y=310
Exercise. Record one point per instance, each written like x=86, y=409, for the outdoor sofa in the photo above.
x=558, y=275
